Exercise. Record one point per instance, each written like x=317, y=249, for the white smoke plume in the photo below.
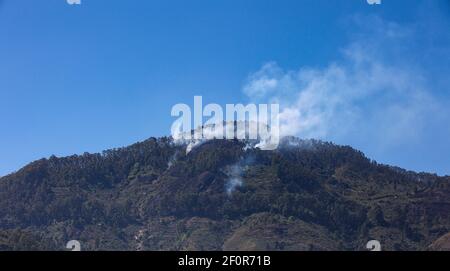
x=218, y=130
x=363, y=94
x=232, y=184
x=235, y=174
x=173, y=159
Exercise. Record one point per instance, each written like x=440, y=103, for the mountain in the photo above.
x=222, y=195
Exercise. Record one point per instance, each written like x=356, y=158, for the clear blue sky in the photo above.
x=105, y=74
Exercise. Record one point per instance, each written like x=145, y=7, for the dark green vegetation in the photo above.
x=307, y=195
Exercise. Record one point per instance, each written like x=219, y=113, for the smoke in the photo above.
x=234, y=179
x=235, y=174
x=373, y=91
x=197, y=137
x=173, y=159
x=219, y=130
x=290, y=142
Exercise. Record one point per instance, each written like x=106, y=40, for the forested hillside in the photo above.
x=307, y=195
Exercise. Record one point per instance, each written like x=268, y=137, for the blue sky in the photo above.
x=105, y=74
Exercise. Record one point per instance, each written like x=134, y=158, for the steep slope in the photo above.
x=307, y=195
